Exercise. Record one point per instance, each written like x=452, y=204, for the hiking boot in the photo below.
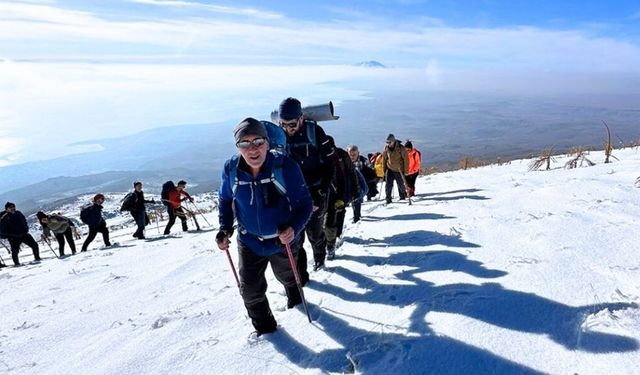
x=267, y=325
x=331, y=252
x=318, y=265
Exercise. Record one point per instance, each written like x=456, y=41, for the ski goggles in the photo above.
x=247, y=144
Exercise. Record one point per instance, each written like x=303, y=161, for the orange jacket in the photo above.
x=415, y=158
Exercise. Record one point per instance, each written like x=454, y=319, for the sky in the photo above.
x=72, y=71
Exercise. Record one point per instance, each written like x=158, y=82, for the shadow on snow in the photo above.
x=421, y=350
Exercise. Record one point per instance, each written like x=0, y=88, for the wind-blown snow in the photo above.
x=491, y=270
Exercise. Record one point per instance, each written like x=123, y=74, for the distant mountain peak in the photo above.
x=371, y=64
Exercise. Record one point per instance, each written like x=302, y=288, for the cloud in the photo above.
x=212, y=8
x=52, y=29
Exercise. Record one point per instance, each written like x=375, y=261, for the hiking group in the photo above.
x=14, y=226
x=288, y=182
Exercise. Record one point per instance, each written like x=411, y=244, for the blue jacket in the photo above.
x=259, y=208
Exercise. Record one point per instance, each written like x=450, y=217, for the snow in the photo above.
x=490, y=270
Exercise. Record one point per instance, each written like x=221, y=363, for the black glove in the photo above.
x=222, y=234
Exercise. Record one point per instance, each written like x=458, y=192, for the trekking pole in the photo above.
x=157, y=220
x=404, y=181
x=233, y=268
x=51, y=248
x=2, y=263
x=200, y=212
x=193, y=216
x=5, y=246
x=292, y=262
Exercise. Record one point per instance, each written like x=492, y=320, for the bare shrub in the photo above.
x=469, y=162
x=608, y=146
x=545, y=158
x=578, y=154
x=429, y=170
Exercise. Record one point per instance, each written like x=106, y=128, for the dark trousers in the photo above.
x=140, y=216
x=411, y=183
x=253, y=284
x=357, y=210
x=373, y=189
x=28, y=240
x=173, y=213
x=315, y=231
x=397, y=177
x=93, y=231
x=68, y=234
x=334, y=222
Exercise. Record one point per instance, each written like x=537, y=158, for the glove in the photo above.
x=339, y=204
x=222, y=235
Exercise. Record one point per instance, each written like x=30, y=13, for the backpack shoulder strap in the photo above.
x=277, y=174
x=233, y=175
x=311, y=132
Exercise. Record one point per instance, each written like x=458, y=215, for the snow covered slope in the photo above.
x=491, y=270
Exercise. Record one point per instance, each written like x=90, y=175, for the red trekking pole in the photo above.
x=292, y=262
x=233, y=268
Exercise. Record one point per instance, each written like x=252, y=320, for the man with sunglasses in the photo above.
x=267, y=218
x=310, y=147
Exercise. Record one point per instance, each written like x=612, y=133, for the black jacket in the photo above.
x=139, y=201
x=93, y=216
x=315, y=160
x=13, y=225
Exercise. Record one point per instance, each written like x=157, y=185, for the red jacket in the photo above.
x=176, y=197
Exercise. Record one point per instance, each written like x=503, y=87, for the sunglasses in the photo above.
x=289, y=124
x=247, y=144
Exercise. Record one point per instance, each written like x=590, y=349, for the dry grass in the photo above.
x=469, y=162
x=545, y=159
x=608, y=146
x=578, y=156
x=429, y=170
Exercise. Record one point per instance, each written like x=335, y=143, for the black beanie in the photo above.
x=137, y=183
x=249, y=126
x=182, y=182
x=9, y=205
x=41, y=215
x=290, y=109
x=391, y=138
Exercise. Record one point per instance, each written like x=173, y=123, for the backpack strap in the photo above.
x=311, y=133
x=277, y=175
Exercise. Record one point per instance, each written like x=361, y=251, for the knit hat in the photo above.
x=249, y=126
x=290, y=109
x=182, y=182
x=137, y=183
x=9, y=205
x=408, y=144
x=391, y=138
x=98, y=196
x=41, y=215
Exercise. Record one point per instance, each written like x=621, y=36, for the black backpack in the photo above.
x=85, y=212
x=166, y=188
x=128, y=201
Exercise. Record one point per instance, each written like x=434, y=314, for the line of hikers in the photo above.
x=14, y=227
x=288, y=182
